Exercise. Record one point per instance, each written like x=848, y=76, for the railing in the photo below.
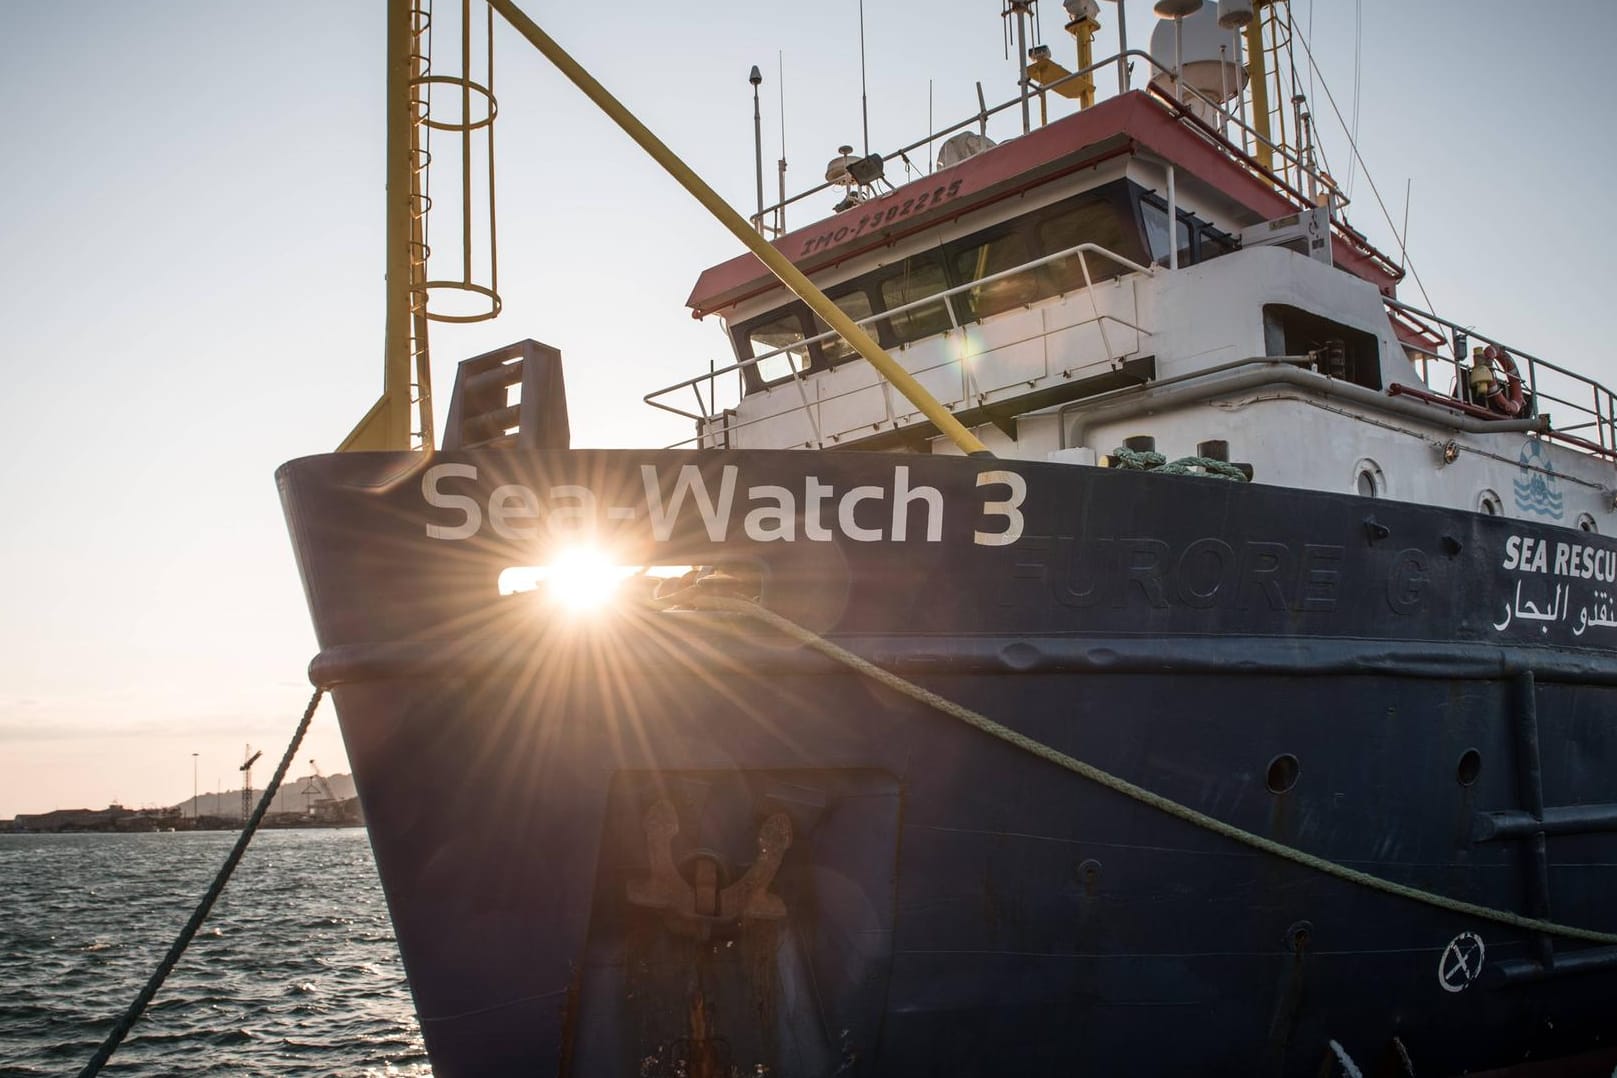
x=1227, y=116
x=1593, y=406
x=709, y=411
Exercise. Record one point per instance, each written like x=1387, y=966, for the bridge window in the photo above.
x=857, y=306
x=1198, y=240
x=783, y=330
x=916, y=279
x=1089, y=220
x=990, y=255
x=1155, y=218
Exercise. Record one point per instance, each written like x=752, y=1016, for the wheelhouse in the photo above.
x=1037, y=290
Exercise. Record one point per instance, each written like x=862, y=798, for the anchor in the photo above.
x=700, y=906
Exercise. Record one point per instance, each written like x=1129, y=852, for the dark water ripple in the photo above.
x=295, y=973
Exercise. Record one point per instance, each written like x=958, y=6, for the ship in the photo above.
x=1096, y=626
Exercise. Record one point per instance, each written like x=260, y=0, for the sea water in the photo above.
x=296, y=971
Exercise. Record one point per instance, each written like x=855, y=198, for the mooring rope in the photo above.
x=697, y=597
x=200, y=914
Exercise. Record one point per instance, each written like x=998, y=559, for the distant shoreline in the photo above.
x=314, y=801
x=117, y=821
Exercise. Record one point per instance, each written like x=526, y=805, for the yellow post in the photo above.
x=1084, y=31
x=1258, y=78
x=792, y=277
x=387, y=424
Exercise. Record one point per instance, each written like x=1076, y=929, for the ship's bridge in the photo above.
x=1032, y=288
x=1014, y=281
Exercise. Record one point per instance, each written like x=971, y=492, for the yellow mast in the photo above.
x=1258, y=79
x=387, y=425
x=1083, y=30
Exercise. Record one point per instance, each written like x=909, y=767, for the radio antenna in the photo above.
x=756, y=77
x=864, y=101
x=780, y=81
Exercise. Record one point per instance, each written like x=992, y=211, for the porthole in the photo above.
x=1490, y=504
x=1469, y=767
x=1283, y=772
x=1368, y=482
x=1586, y=523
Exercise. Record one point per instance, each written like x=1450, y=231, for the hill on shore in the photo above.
x=295, y=795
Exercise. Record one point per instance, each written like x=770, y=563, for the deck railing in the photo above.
x=719, y=424
x=1550, y=389
x=1228, y=114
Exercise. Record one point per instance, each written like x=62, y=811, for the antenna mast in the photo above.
x=756, y=77
x=780, y=83
x=864, y=101
x=1021, y=9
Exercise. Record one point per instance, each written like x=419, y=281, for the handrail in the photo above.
x=729, y=427
x=981, y=117
x=1253, y=372
x=1080, y=250
x=1602, y=412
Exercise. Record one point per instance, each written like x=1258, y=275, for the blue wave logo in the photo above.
x=1537, y=488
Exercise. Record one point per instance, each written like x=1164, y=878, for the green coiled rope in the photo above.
x=1146, y=460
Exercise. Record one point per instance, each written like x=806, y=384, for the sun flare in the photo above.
x=580, y=579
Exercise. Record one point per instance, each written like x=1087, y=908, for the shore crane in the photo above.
x=246, y=770
x=322, y=785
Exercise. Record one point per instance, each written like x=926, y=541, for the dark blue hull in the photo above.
x=1361, y=680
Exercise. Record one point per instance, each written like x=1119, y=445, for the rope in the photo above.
x=200, y=914
x=1208, y=466
x=1137, y=793
x=1130, y=460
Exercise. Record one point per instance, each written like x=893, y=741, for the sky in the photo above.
x=191, y=203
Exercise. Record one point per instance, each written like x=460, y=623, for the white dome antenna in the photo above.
x=836, y=170
x=1202, y=51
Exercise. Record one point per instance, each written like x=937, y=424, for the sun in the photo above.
x=583, y=580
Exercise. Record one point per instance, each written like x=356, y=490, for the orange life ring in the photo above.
x=1506, y=398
